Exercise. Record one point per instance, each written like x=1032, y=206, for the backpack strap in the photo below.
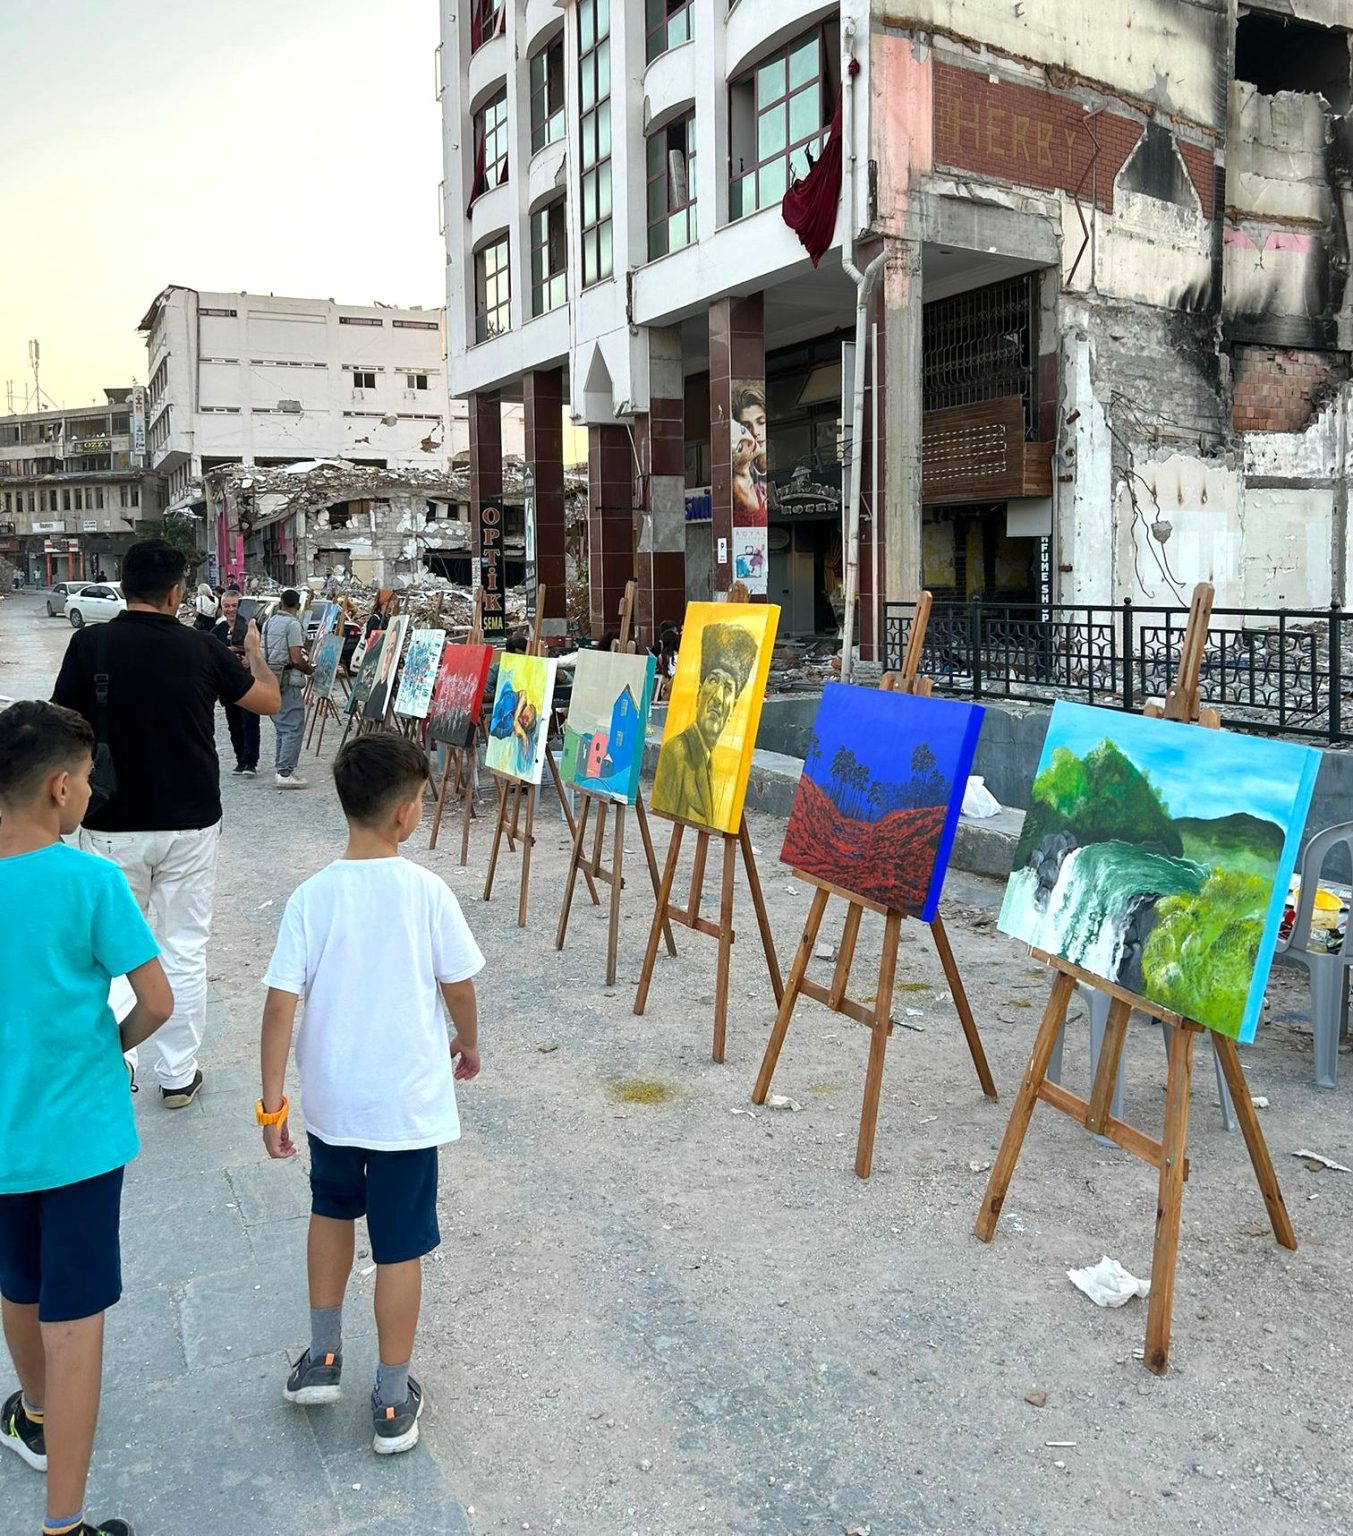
x=101, y=684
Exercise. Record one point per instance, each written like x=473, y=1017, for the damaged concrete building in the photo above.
x=1106, y=354
x=386, y=527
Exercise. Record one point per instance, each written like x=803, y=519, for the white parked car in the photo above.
x=59, y=595
x=92, y=604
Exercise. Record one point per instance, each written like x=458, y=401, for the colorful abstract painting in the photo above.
x=882, y=787
x=457, y=698
x=607, y=723
x=328, y=654
x=714, y=712
x=520, y=723
x=366, y=672
x=1157, y=855
x=419, y=678
x=377, y=704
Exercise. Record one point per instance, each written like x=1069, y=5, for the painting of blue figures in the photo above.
x=879, y=798
x=608, y=723
x=1157, y=855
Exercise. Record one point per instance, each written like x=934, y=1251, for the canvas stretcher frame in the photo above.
x=1166, y=1153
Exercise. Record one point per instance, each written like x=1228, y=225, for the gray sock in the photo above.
x=392, y=1385
x=326, y=1332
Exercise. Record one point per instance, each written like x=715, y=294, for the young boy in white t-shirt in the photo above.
x=375, y=944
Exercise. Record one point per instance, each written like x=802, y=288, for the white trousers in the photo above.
x=173, y=878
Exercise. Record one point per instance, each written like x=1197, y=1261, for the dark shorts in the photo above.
x=59, y=1248
x=395, y=1191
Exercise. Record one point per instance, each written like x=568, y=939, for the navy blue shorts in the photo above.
x=59, y=1248
x=395, y=1191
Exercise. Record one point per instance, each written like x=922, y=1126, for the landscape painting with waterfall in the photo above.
x=1157, y=855
x=879, y=799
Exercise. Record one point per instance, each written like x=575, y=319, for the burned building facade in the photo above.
x=1102, y=254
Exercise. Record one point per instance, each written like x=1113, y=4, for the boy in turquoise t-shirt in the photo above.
x=66, y=1123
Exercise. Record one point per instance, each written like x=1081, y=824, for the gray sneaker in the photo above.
x=396, y=1429
x=289, y=781
x=313, y=1382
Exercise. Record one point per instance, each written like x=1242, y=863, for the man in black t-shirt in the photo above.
x=162, y=826
x=242, y=724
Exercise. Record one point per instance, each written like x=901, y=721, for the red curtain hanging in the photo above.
x=809, y=207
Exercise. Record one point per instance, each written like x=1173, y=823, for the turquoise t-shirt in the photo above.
x=68, y=925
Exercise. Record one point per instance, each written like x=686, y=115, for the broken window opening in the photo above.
x=339, y=515
x=1273, y=54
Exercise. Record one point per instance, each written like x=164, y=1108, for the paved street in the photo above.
x=654, y=1312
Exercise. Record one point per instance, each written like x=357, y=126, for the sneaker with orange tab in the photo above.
x=313, y=1382
x=396, y=1429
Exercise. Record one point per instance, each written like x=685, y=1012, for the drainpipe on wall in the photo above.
x=864, y=284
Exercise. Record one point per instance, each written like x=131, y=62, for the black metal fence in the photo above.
x=1274, y=669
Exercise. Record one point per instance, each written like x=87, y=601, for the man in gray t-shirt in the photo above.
x=284, y=651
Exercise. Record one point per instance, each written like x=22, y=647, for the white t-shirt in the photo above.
x=365, y=942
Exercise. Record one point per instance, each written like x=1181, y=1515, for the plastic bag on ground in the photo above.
x=978, y=800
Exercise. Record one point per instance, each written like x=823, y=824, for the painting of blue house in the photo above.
x=607, y=723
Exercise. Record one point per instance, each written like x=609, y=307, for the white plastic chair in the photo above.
x=1328, y=973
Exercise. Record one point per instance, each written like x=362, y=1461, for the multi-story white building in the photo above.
x=257, y=379
x=1107, y=308
x=74, y=486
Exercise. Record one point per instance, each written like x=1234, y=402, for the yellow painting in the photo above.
x=715, y=709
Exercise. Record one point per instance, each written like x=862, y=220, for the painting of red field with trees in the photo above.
x=880, y=795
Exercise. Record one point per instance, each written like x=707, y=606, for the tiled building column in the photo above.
x=661, y=445
x=486, y=487
x=737, y=350
x=900, y=545
x=543, y=399
x=610, y=524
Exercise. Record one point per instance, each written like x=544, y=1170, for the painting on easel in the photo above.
x=607, y=723
x=377, y=704
x=715, y=709
x=366, y=672
x=327, y=657
x=1158, y=855
x=520, y=723
x=456, y=700
x=882, y=787
x=420, y=673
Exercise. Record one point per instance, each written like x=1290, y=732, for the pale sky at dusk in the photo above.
x=279, y=146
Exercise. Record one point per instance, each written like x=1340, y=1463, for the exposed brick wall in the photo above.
x=1278, y=389
x=1040, y=138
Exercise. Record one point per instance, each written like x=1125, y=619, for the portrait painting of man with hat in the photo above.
x=720, y=659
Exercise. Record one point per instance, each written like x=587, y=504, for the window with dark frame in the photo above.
x=671, y=187
x=490, y=141
x=549, y=258
x=779, y=114
x=492, y=290
x=486, y=21
x=363, y=379
x=594, y=81
x=668, y=24
x=547, y=94
x=415, y=381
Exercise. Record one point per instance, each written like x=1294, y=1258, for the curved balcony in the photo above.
x=488, y=68
x=756, y=27
x=542, y=17
x=544, y=172
x=494, y=211
x=669, y=83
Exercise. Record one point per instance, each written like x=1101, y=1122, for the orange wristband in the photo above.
x=276, y=1118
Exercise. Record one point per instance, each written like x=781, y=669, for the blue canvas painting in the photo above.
x=880, y=796
x=1157, y=855
x=608, y=723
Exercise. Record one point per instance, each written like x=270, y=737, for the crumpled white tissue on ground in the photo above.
x=1107, y=1283
x=978, y=800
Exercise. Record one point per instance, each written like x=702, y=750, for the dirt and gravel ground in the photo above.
x=655, y=1312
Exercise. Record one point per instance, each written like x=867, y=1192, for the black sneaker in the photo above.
x=250, y=773
x=396, y=1429
x=21, y=1435
x=108, y=1528
x=313, y=1382
x=181, y=1098
x=238, y=769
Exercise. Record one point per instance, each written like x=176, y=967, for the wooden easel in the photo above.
x=458, y=769
x=1166, y=1154
x=324, y=711
x=689, y=916
x=514, y=793
x=878, y=1015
